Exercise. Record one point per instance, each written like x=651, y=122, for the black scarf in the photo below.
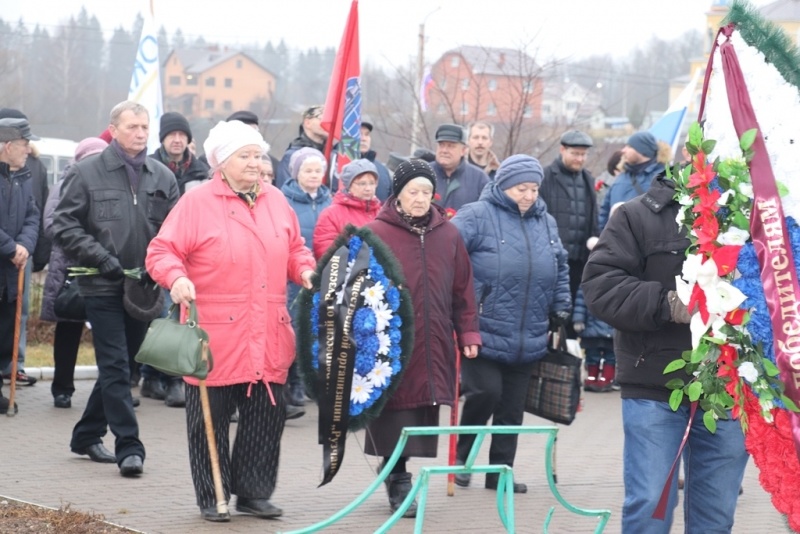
x=133, y=165
x=417, y=224
x=637, y=168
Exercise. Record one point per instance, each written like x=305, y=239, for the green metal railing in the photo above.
x=505, y=484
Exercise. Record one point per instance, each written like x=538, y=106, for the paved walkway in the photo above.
x=38, y=467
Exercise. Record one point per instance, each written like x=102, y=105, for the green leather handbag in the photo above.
x=177, y=348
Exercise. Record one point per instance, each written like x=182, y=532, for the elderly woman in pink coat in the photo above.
x=230, y=245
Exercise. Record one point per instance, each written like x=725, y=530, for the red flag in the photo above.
x=342, y=115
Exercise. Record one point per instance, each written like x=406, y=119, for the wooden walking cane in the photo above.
x=15, y=353
x=222, y=504
x=451, y=478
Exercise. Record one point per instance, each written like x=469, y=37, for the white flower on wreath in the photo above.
x=361, y=389
x=746, y=189
x=734, y=236
x=373, y=295
x=725, y=197
x=383, y=314
x=748, y=371
x=721, y=296
x=384, y=343
x=380, y=374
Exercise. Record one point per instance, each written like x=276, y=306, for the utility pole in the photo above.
x=415, y=113
x=415, y=116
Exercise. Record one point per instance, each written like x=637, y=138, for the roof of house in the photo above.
x=199, y=60
x=781, y=10
x=497, y=61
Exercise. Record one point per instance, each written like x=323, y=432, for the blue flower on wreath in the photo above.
x=364, y=321
x=760, y=324
x=354, y=247
x=393, y=298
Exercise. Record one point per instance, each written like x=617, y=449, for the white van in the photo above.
x=56, y=154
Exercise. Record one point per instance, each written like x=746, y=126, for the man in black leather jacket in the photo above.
x=111, y=206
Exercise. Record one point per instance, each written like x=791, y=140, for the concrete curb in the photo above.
x=82, y=372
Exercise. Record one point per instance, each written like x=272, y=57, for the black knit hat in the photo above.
x=172, y=121
x=408, y=170
x=247, y=117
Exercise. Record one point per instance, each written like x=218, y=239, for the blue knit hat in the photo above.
x=518, y=169
x=644, y=143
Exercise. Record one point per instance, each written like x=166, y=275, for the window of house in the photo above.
x=174, y=80
x=572, y=106
x=455, y=61
x=209, y=104
x=491, y=110
x=492, y=84
x=464, y=108
x=443, y=84
x=464, y=84
x=191, y=80
x=527, y=112
x=211, y=81
x=228, y=82
x=227, y=105
x=441, y=109
x=546, y=108
x=238, y=63
x=527, y=86
x=187, y=107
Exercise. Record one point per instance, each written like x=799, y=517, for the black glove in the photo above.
x=111, y=269
x=559, y=319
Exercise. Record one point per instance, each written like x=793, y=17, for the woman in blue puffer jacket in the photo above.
x=521, y=282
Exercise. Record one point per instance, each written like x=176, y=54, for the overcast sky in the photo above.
x=389, y=29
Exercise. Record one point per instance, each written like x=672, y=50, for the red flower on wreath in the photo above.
x=704, y=172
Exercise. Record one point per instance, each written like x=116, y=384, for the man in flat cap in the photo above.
x=568, y=191
x=19, y=228
x=641, y=167
x=311, y=135
x=457, y=182
x=40, y=255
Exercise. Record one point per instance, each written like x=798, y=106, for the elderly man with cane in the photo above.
x=19, y=229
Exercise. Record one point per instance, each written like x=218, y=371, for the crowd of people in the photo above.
x=495, y=254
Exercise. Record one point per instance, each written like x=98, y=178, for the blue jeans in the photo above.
x=713, y=465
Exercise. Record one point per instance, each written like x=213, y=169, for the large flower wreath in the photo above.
x=739, y=183
x=383, y=329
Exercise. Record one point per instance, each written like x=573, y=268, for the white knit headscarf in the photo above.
x=226, y=138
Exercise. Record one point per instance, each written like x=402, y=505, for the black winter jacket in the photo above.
x=19, y=223
x=625, y=284
x=572, y=201
x=99, y=215
x=41, y=254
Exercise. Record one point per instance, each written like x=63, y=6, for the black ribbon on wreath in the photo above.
x=341, y=287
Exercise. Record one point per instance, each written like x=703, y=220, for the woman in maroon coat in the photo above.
x=439, y=277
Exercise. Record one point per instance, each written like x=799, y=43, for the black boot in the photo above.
x=491, y=483
x=176, y=397
x=398, y=485
x=5, y=404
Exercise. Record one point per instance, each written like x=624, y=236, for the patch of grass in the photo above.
x=41, y=355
